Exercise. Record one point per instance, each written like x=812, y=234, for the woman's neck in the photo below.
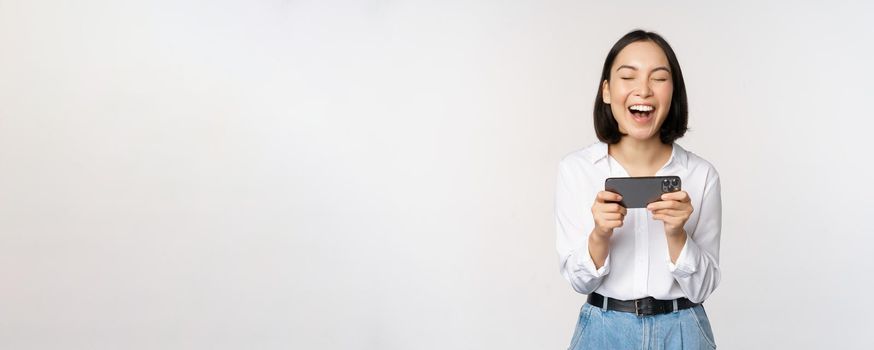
x=641, y=157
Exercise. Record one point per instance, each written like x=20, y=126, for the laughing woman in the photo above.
x=646, y=271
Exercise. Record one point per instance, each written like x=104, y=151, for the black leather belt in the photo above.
x=641, y=307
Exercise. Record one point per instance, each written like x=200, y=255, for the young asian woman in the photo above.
x=646, y=271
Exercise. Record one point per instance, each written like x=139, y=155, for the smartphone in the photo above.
x=637, y=192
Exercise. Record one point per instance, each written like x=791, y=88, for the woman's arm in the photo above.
x=574, y=224
x=696, y=267
x=599, y=248
x=608, y=215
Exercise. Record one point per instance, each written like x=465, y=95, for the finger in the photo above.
x=680, y=196
x=608, y=208
x=668, y=204
x=607, y=196
x=613, y=223
x=607, y=225
x=614, y=208
x=669, y=220
x=681, y=211
x=612, y=216
x=670, y=212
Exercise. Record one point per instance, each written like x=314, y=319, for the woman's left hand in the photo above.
x=674, y=210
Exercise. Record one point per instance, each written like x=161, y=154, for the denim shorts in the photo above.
x=682, y=329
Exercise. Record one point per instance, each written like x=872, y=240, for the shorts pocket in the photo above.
x=585, y=314
x=704, y=325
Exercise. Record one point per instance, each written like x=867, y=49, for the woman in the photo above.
x=646, y=271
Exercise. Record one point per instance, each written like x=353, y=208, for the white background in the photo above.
x=270, y=174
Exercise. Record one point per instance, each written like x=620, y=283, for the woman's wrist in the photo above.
x=676, y=242
x=677, y=233
x=600, y=235
x=599, y=247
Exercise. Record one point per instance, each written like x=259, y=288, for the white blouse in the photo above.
x=638, y=264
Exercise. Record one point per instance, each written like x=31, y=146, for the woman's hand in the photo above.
x=674, y=210
x=607, y=214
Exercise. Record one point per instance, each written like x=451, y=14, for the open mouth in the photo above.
x=641, y=113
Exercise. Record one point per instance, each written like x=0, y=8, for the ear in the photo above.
x=605, y=92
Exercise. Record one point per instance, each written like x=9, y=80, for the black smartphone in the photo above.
x=637, y=192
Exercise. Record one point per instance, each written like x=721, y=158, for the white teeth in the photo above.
x=641, y=108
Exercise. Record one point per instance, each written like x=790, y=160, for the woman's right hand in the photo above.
x=608, y=214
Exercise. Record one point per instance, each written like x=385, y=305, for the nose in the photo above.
x=644, y=90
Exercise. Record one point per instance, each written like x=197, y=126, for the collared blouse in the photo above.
x=638, y=264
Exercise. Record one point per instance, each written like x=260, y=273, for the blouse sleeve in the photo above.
x=574, y=223
x=697, y=268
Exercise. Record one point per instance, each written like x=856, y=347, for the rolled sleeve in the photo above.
x=585, y=263
x=697, y=268
x=687, y=261
x=574, y=223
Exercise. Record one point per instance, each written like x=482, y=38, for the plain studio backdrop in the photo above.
x=381, y=174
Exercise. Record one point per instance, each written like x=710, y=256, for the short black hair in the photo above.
x=675, y=124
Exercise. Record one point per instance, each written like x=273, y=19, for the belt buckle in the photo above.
x=637, y=307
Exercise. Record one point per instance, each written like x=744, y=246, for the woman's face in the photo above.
x=640, y=89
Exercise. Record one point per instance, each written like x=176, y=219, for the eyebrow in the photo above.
x=635, y=68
